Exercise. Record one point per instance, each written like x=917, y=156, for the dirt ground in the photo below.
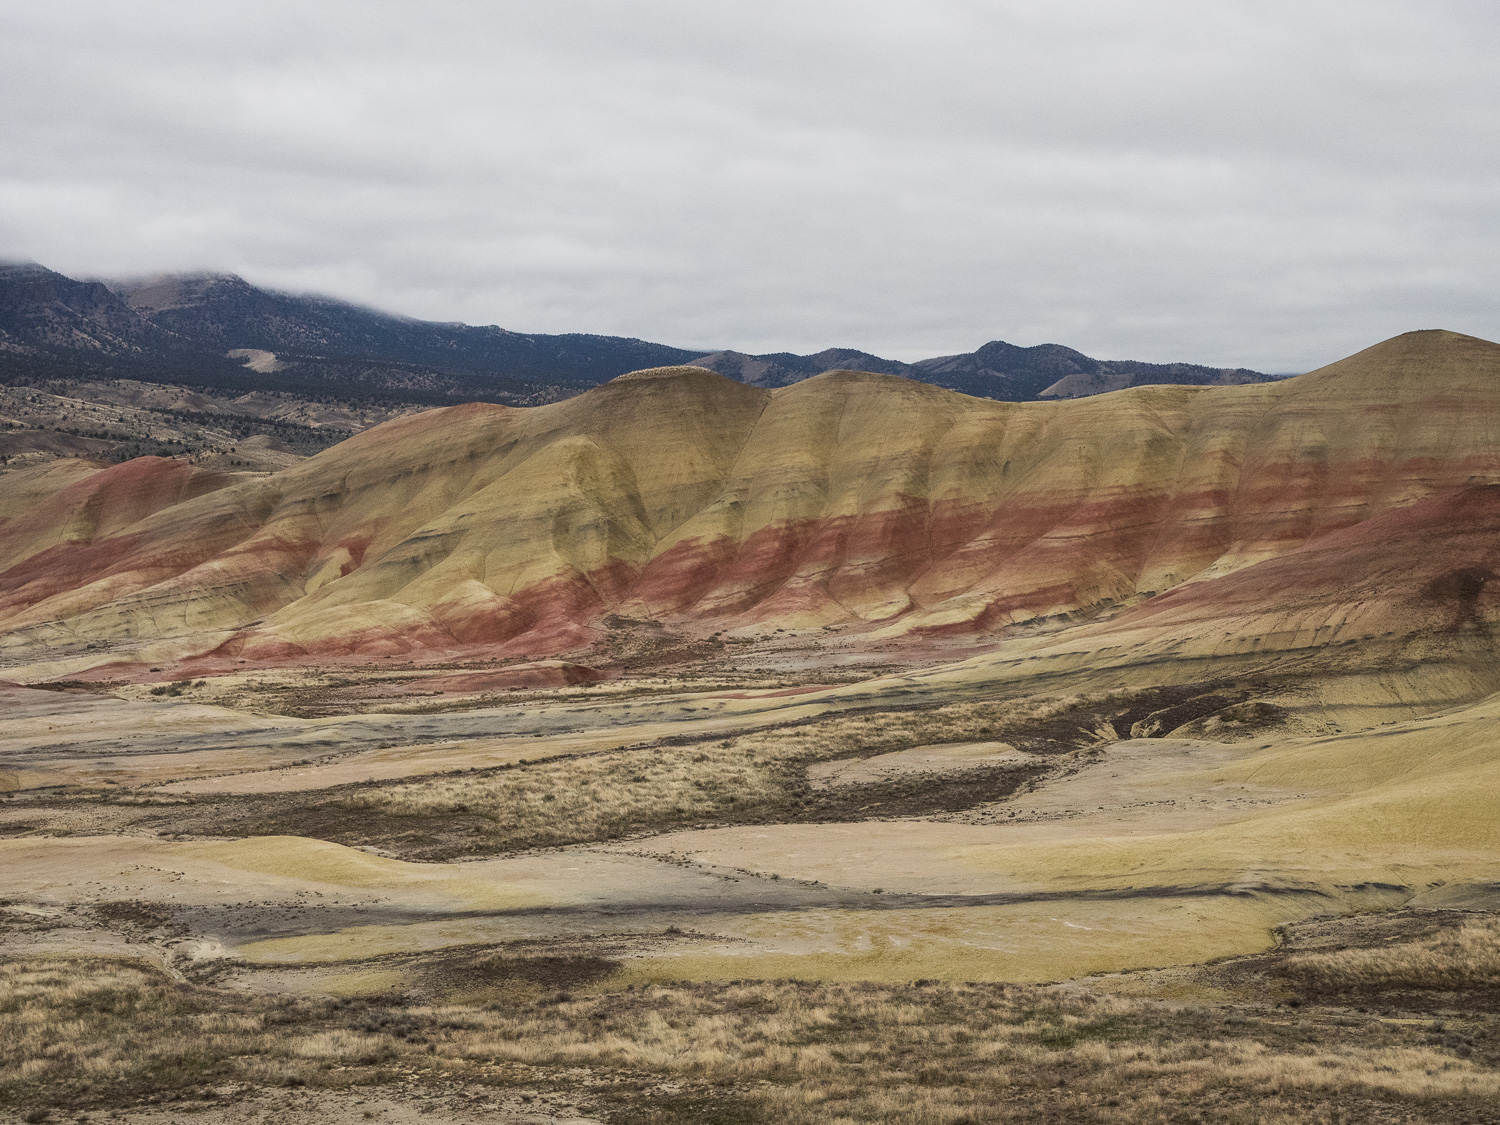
x=341, y=842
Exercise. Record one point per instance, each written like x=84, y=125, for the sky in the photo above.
x=1265, y=184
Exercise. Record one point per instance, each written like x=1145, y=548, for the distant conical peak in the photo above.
x=1413, y=345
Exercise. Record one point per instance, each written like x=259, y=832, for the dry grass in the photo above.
x=100, y=1033
x=105, y=1031
x=751, y=777
x=944, y=1051
x=1454, y=960
x=592, y=798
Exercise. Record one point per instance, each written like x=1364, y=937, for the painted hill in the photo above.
x=868, y=501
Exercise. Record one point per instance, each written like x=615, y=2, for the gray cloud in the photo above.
x=1264, y=183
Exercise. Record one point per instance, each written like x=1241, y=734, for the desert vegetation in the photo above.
x=753, y=777
x=1465, y=958
x=84, y=1033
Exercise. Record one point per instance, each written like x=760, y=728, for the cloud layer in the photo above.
x=1258, y=183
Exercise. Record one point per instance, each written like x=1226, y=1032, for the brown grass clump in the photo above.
x=90, y=1033
x=753, y=777
x=1464, y=958
x=106, y=1031
x=593, y=798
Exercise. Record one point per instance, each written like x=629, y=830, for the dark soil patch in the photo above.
x=915, y=795
x=449, y=835
x=428, y=837
x=473, y=973
x=138, y=917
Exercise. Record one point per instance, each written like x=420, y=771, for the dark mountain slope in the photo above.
x=224, y=312
x=997, y=370
x=180, y=330
x=44, y=314
x=220, y=333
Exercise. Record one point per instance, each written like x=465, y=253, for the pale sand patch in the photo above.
x=1132, y=788
x=262, y=870
x=1149, y=785
x=1025, y=941
x=918, y=760
x=305, y=889
x=1415, y=804
x=354, y=943
x=900, y=856
x=256, y=359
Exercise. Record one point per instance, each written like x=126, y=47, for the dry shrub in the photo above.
x=602, y=796
x=101, y=1029
x=1452, y=960
x=592, y=798
x=97, y=1032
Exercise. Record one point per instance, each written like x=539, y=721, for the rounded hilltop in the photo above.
x=681, y=371
x=1430, y=356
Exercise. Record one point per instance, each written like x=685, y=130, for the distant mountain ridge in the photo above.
x=229, y=313
x=181, y=330
x=218, y=331
x=997, y=370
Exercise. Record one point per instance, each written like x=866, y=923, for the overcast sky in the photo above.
x=1260, y=183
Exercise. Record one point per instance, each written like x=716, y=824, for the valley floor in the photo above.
x=715, y=893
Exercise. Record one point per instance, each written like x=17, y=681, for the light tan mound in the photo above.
x=677, y=494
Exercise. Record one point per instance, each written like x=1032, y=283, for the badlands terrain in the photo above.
x=690, y=750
